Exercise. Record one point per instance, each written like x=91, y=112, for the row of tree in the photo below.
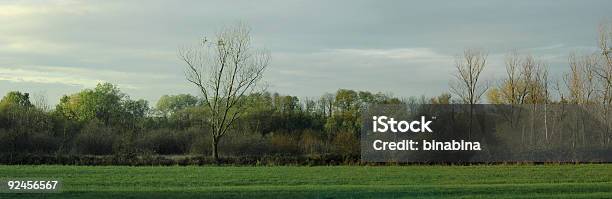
x=527, y=81
x=104, y=120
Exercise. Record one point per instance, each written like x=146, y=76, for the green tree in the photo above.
x=105, y=102
x=444, y=98
x=24, y=128
x=16, y=98
x=102, y=102
x=136, y=108
x=169, y=104
x=347, y=100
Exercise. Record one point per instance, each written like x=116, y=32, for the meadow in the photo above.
x=426, y=181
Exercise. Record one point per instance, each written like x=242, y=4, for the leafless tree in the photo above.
x=513, y=78
x=326, y=104
x=605, y=70
x=468, y=86
x=526, y=81
x=224, y=72
x=534, y=89
x=40, y=101
x=580, y=81
x=605, y=74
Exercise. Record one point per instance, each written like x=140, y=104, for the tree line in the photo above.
x=232, y=118
x=105, y=121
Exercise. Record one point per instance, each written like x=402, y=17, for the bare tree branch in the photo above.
x=224, y=72
x=468, y=86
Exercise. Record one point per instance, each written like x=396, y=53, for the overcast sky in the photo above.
x=402, y=47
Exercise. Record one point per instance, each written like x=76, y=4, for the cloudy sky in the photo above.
x=402, y=47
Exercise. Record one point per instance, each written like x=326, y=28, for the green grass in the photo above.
x=497, y=181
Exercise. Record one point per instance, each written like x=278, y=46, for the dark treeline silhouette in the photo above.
x=104, y=126
x=105, y=121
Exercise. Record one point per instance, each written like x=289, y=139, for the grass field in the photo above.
x=498, y=181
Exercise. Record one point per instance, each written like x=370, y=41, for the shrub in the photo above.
x=166, y=141
x=311, y=142
x=346, y=144
x=201, y=143
x=245, y=144
x=6, y=141
x=285, y=143
x=45, y=143
x=95, y=139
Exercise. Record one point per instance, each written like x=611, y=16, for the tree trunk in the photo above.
x=215, y=151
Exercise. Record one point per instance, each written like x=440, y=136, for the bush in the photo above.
x=31, y=142
x=285, y=143
x=245, y=144
x=45, y=143
x=166, y=141
x=346, y=144
x=157, y=160
x=6, y=141
x=95, y=139
x=311, y=142
x=201, y=145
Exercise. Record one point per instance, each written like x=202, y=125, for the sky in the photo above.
x=404, y=48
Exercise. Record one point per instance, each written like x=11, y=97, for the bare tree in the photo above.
x=40, y=101
x=580, y=81
x=224, y=72
x=468, y=86
x=589, y=80
x=605, y=70
x=513, y=78
x=526, y=81
x=535, y=81
x=326, y=104
x=605, y=74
